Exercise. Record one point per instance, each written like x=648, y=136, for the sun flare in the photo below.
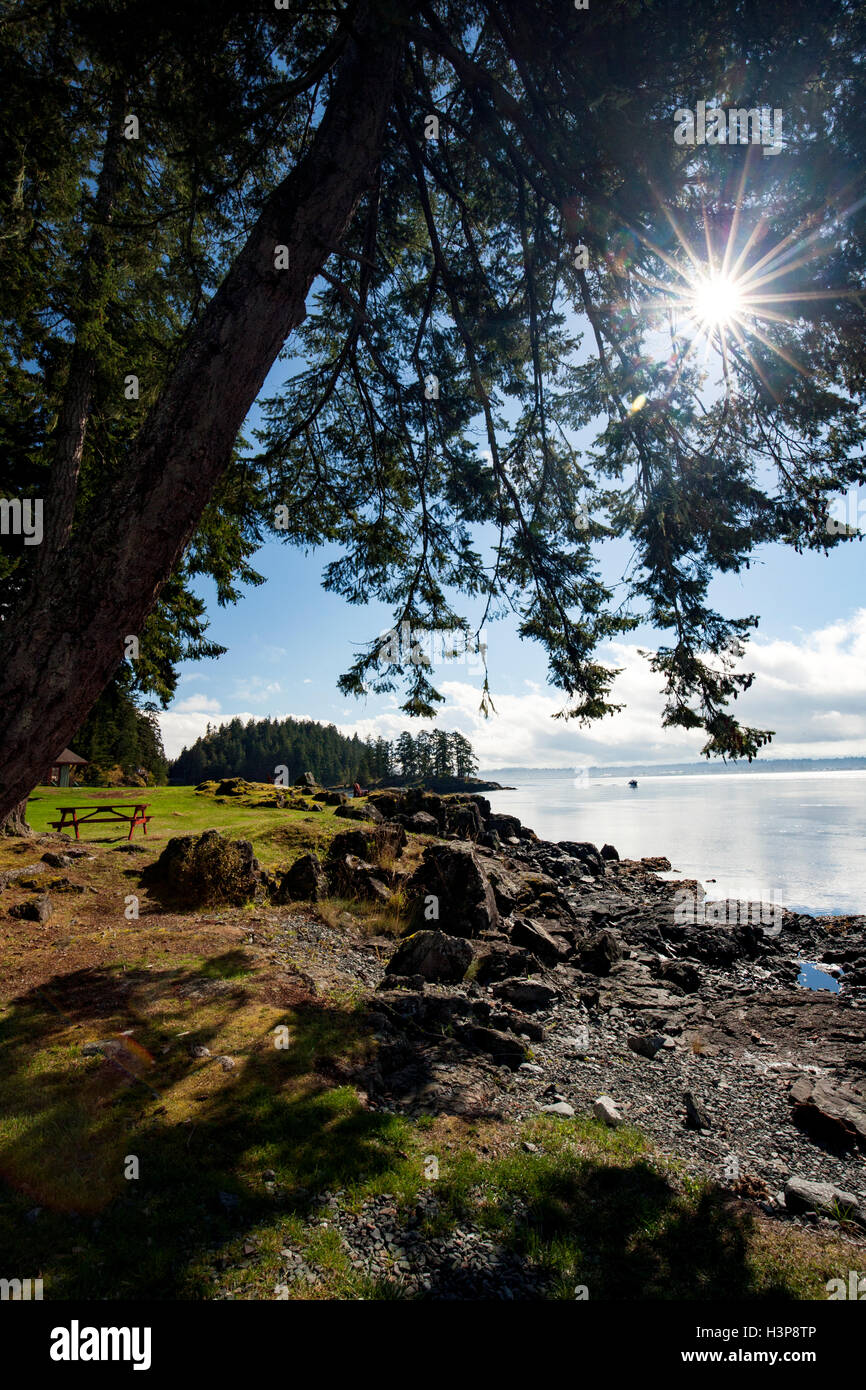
x=717, y=301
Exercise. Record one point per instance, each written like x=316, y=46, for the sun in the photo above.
x=723, y=300
x=717, y=301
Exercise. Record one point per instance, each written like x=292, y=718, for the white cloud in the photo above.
x=257, y=689
x=188, y=720
x=195, y=702
x=812, y=691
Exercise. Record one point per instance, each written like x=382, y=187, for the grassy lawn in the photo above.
x=229, y=1155
x=278, y=836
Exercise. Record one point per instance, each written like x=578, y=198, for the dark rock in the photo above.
x=37, y=911
x=413, y=982
x=508, y=827
x=506, y=1050
x=720, y=948
x=390, y=803
x=697, y=1116
x=329, y=798
x=832, y=1114
x=355, y=877
x=422, y=823
x=681, y=973
x=65, y=885
x=355, y=810
x=306, y=780
x=502, y=961
x=305, y=881
x=453, y=875
x=382, y=841
x=528, y=995
x=507, y=890
x=465, y=821
x=601, y=953
x=433, y=805
x=57, y=861
x=656, y=863
x=537, y=939
x=513, y=1021
x=234, y=786
x=207, y=868
x=608, y=852
x=432, y=955
x=586, y=853
x=646, y=1044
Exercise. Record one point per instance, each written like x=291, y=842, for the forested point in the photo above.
x=256, y=749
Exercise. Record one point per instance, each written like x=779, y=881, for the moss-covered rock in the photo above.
x=207, y=868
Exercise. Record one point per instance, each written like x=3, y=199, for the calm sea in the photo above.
x=798, y=839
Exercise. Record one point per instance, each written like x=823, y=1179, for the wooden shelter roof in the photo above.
x=67, y=756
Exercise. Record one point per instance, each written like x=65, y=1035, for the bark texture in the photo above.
x=16, y=821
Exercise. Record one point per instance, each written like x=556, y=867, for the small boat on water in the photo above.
x=632, y=783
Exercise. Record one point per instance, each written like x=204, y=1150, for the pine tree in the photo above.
x=463, y=759
x=405, y=755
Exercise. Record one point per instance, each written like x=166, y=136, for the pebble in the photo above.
x=604, y=1109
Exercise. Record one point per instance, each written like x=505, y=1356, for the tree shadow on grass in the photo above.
x=203, y=1140
x=74, y=1121
x=636, y=1237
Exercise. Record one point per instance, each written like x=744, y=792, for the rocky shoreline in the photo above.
x=544, y=977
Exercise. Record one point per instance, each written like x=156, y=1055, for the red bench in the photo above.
x=124, y=813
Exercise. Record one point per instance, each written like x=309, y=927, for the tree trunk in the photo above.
x=65, y=638
x=15, y=823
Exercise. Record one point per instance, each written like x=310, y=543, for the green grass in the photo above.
x=278, y=836
x=600, y=1209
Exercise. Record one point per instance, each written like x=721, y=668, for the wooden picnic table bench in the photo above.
x=104, y=815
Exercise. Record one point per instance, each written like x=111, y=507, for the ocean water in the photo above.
x=796, y=839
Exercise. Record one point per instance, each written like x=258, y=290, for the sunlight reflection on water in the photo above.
x=800, y=835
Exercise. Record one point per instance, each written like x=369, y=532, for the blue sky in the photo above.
x=288, y=641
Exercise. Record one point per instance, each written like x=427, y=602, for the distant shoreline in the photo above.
x=713, y=769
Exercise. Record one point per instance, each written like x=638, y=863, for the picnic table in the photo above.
x=129, y=813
